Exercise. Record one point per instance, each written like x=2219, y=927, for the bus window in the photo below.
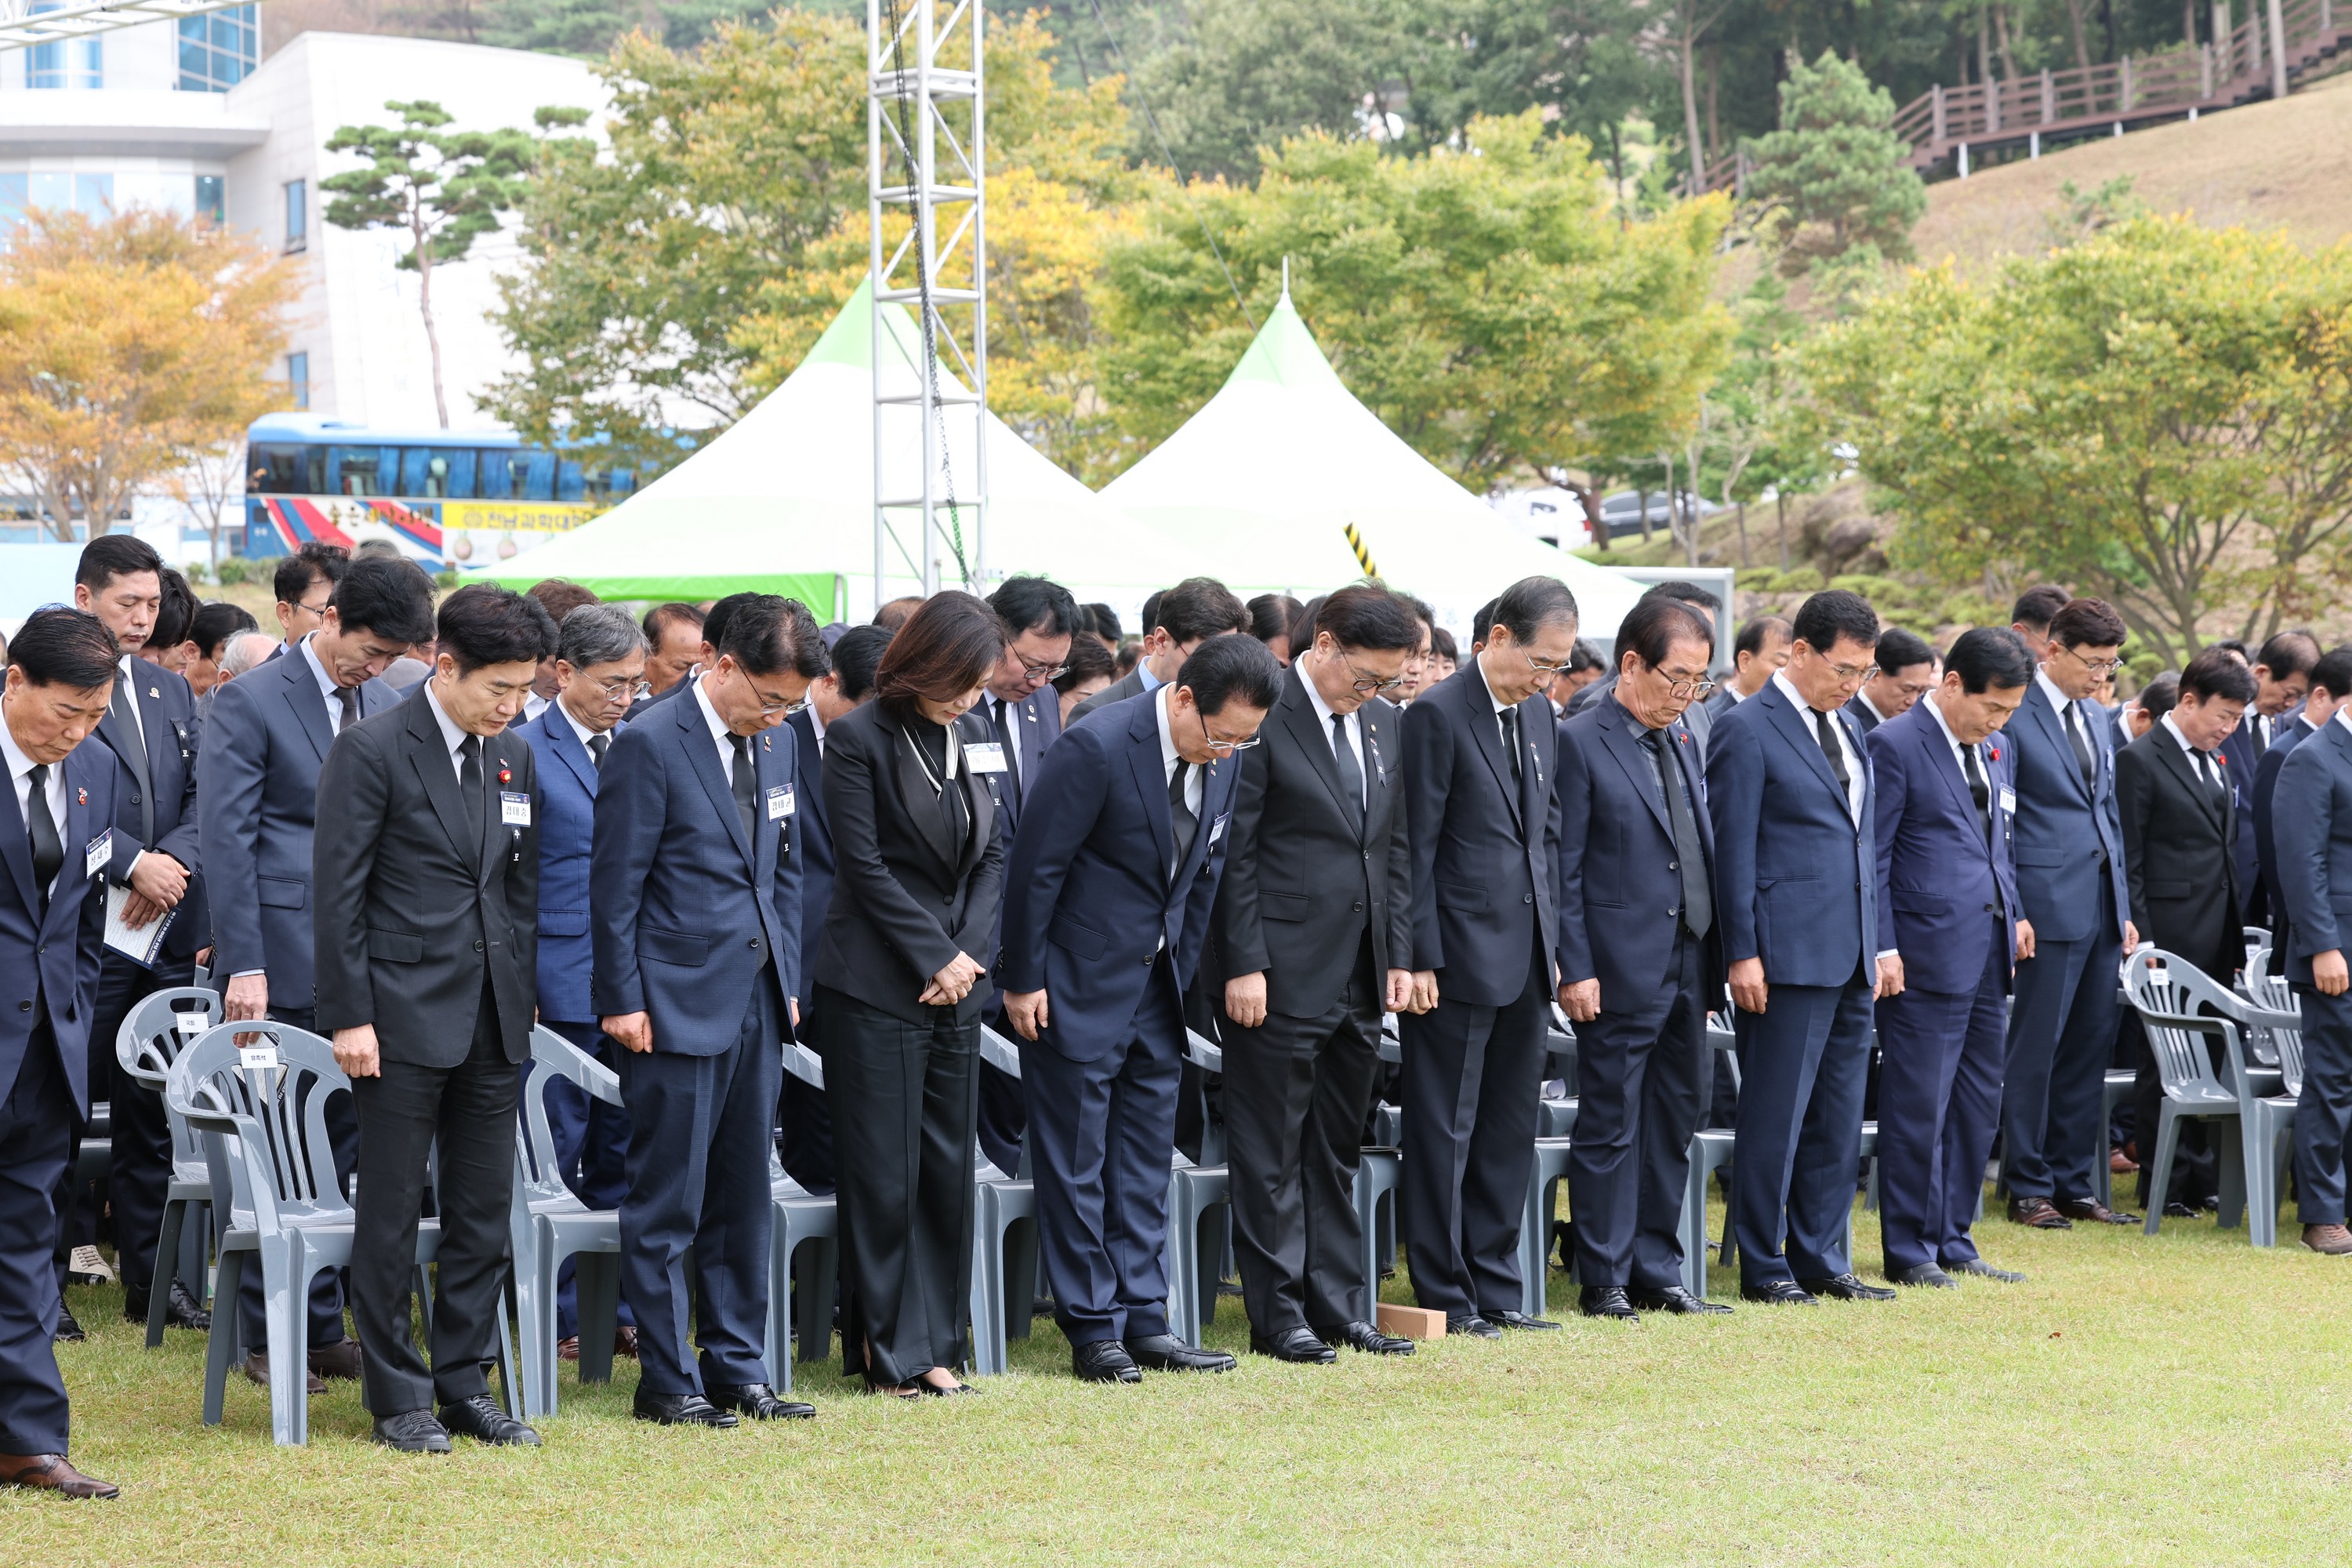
x=571, y=484
x=364, y=471
x=276, y=469
x=438, y=473
x=623, y=482
x=534, y=476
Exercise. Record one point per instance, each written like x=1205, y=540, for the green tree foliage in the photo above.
x=1485, y=303
x=1834, y=173
x=2161, y=414
x=440, y=189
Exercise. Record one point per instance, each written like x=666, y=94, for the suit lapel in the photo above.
x=1150, y=777
x=702, y=756
x=2054, y=728
x=439, y=776
x=983, y=809
x=1798, y=731
x=1299, y=717
x=2199, y=788
x=16, y=849
x=808, y=768
x=77, y=830
x=1485, y=723
x=1368, y=717
x=923, y=806
x=768, y=770
x=497, y=758
x=1930, y=734
x=566, y=742
x=1617, y=738
x=308, y=703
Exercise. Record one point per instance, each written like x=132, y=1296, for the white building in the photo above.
x=186, y=115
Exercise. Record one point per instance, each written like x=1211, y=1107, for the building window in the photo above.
x=297, y=378
x=212, y=198
x=68, y=62
x=16, y=196
x=220, y=51
x=297, y=215
x=93, y=196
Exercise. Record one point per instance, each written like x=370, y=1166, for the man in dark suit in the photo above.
x=1313, y=937
x=1190, y=613
x=151, y=731
x=1946, y=802
x=1107, y=899
x=807, y=1121
x=1796, y=874
x=1484, y=833
x=2331, y=683
x=258, y=801
x=2179, y=818
x=1906, y=672
x=56, y=816
x=600, y=666
x=2313, y=825
x=1696, y=718
x=426, y=876
x=2282, y=671
x=1024, y=713
x=2069, y=886
x=304, y=585
x=1638, y=961
x=695, y=907
x=674, y=634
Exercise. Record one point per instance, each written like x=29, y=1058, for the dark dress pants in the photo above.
x=700, y=1135
x=805, y=1113
x=1100, y=1137
x=1295, y=1091
x=591, y=1152
x=35, y=1136
x=1004, y=1104
x=2061, y=1033
x=1640, y=1076
x=1938, y=1106
x=327, y=1289
x=1798, y=1142
x=2324, y=1115
x=461, y=1121
x=139, y=1174
x=909, y=1097
x=1472, y=1076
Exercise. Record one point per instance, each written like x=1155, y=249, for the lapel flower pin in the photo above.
x=154, y=691
x=81, y=798
x=505, y=776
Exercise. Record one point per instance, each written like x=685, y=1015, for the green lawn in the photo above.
x=2179, y=1399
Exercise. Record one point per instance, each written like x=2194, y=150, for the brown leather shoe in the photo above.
x=51, y=1473
x=2038, y=1213
x=568, y=1350
x=625, y=1340
x=2334, y=1240
x=2094, y=1210
x=2120, y=1163
x=341, y=1359
x=257, y=1370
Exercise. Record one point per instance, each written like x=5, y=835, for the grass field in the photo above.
x=2179, y=1399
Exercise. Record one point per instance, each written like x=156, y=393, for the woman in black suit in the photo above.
x=909, y=787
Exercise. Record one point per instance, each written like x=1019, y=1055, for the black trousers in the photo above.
x=1472, y=1077
x=327, y=1289
x=909, y=1097
x=805, y=1113
x=469, y=1112
x=1640, y=1078
x=1295, y=1093
x=35, y=1139
x=139, y=1173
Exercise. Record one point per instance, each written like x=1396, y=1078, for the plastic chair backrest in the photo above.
x=554, y=1060
x=999, y=1052
x=2268, y=990
x=261, y=1108
x=2165, y=990
x=151, y=1039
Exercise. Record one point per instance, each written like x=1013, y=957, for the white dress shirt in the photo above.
x=130, y=687
x=1194, y=779
x=1323, y=717
x=578, y=728
x=1959, y=760
x=326, y=687
x=1867, y=703
x=452, y=737
x=20, y=778
x=533, y=705
x=2206, y=764
x=816, y=727
x=719, y=733
x=2343, y=716
x=1855, y=779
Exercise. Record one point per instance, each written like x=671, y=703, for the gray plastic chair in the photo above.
x=801, y=1220
x=1198, y=1196
x=151, y=1039
x=550, y=1224
x=2116, y=1087
x=1378, y=1172
x=1004, y=1242
x=1549, y=1169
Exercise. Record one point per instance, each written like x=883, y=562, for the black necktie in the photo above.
x=2083, y=755
x=349, y=698
x=48, y=849
x=1978, y=791
x=126, y=706
x=1510, y=717
x=469, y=791
x=2262, y=735
x=596, y=748
x=1836, y=754
x=1180, y=816
x=747, y=797
x=1007, y=728
x=2220, y=779
x=1690, y=855
x=1351, y=771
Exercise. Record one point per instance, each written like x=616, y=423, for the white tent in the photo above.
x=1262, y=482
x=783, y=501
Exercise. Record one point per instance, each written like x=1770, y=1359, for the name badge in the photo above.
x=2009, y=800
x=514, y=810
x=985, y=756
x=780, y=802
x=100, y=851
x=1217, y=829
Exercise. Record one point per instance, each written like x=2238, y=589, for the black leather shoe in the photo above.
x=68, y=1331
x=1519, y=1320
x=680, y=1410
x=481, y=1418
x=1606, y=1302
x=1924, y=1274
x=1846, y=1288
x=1301, y=1344
x=180, y=1312
x=1166, y=1352
x=2038, y=1213
x=1104, y=1361
x=762, y=1403
x=1474, y=1326
x=2094, y=1211
x=413, y=1432
x=1778, y=1293
x=2176, y=1209
x=1979, y=1269
x=1362, y=1336
x=1674, y=1299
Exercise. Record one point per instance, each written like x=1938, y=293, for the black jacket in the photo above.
x=2180, y=856
x=901, y=908
x=406, y=914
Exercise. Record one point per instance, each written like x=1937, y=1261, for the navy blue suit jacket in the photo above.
x=2062, y=830
x=55, y=956
x=1620, y=891
x=2292, y=732
x=1948, y=893
x=1088, y=897
x=813, y=831
x=2311, y=828
x=684, y=911
x=1485, y=849
x=2238, y=757
x=1796, y=879
x=167, y=714
x=258, y=797
x=566, y=810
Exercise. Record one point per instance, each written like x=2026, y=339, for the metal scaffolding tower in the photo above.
x=924, y=164
x=21, y=27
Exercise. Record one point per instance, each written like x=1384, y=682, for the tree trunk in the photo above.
x=1714, y=84
x=423, y=243
x=2001, y=36
x=2075, y=28
x=2107, y=17
x=2188, y=22
x=1590, y=503
x=1690, y=114
x=1984, y=46
x=1781, y=500
x=1744, y=562
x=1642, y=499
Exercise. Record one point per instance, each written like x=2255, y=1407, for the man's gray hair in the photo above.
x=245, y=650
x=599, y=633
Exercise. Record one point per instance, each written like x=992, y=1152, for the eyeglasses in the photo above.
x=1037, y=669
x=316, y=612
x=1549, y=671
x=2095, y=666
x=1370, y=686
x=1697, y=690
x=1227, y=748
x=622, y=686
x=769, y=710
x=1850, y=672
